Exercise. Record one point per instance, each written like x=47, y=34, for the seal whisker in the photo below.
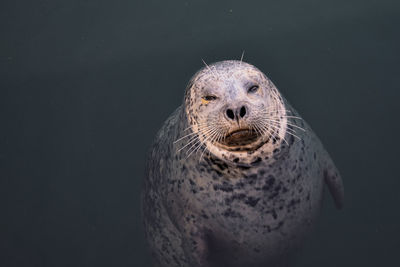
x=289, y=131
x=194, y=139
x=208, y=67
x=261, y=127
x=277, y=128
x=261, y=131
x=193, y=148
x=267, y=130
x=277, y=124
x=201, y=156
x=205, y=147
x=201, y=143
x=258, y=130
x=288, y=123
x=188, y=128
x=221, y=136
x=183, y=137
x=252, y=129
x=292, y=117
x=212, y=141
x=190, y=135
x=284, y=139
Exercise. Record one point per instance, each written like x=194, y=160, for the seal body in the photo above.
x=237, y=197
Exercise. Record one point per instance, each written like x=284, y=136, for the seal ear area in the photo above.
x=335, y=186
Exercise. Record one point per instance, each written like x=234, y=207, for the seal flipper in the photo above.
x=335, y=185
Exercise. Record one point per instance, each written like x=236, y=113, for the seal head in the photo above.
x=234, y=110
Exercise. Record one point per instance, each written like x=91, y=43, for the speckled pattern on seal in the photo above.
x=250, y=206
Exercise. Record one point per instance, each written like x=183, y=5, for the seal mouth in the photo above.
x=240, y=137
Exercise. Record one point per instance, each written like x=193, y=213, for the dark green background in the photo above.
x=85, y=85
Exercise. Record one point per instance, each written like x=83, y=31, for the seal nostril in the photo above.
x=242, y=112
x=230, y=114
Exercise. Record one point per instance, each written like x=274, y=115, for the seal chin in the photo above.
x=240, y=138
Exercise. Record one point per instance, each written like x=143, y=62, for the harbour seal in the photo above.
x=235, y=176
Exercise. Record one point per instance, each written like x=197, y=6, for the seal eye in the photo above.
x=253, y=89
x=209, y=97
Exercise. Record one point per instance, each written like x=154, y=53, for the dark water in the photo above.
x=85, y=85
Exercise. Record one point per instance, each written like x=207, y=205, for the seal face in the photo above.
x=235, y=176
x=234, y=108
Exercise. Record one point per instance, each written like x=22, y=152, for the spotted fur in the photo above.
x=233, y=208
